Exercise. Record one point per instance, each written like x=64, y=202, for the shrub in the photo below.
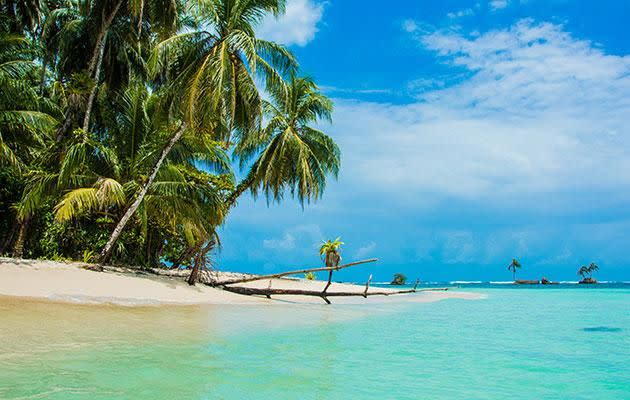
x=399, y=279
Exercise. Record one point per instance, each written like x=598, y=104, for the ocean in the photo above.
x=519, y=342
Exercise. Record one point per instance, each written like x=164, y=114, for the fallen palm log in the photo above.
x=267, y=292
x=299, y=271
x=324, y=294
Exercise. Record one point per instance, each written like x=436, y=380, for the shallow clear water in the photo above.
x=559, y=343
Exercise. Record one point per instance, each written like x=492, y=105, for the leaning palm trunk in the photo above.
x=106, y=253
x=90, y=104
x=238, y=191
x=18, y=247
x=200, y=261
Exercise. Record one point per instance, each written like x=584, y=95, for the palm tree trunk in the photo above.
x=106, y=253
x=18, y=247
x=90, y=104
x=101, y=36
x=238, y=191
x=67, y=123
x=200, y=260
x=9, y=238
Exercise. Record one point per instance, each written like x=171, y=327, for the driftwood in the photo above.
x=268, y=292
x=299, y=271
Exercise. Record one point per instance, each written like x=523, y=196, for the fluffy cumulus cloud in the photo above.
x=538, y=112
x=297, y=26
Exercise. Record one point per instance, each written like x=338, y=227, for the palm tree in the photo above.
x=26, y=118
x=290, y=156
x=514, y=265
x=212, y=80
x=330, y=252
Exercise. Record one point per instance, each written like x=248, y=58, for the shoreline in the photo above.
x=69, y=283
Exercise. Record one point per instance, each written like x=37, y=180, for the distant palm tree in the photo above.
x=513, y=266
x=583, y=271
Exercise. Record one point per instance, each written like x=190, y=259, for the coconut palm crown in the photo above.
x=329, y=250
x=290, y=155
x=587, y=272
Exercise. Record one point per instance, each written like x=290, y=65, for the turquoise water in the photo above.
x=527, y=344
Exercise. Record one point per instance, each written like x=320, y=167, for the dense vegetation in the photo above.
x=120, y=121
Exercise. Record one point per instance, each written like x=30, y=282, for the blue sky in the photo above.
x=471, y=131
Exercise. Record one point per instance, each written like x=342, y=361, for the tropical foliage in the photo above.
x=120, y=123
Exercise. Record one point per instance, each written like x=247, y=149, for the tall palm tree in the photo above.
x=514, y=265
x=26, y=118
x=212, y=78
x=288, y=154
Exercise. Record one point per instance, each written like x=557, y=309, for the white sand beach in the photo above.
x=69, y=282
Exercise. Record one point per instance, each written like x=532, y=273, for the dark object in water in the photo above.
x=587, y=281
x=525, y=282
x=602, y=329
x=545, y=281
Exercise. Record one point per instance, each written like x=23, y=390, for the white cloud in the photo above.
x=366, y=250
x=498, y=4
x=334, y=89
x=287, y=242
x=461, y=13
x=539, y=112
x=306, y=237
x=297, y=26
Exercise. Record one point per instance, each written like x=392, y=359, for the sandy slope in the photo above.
x=71, y=283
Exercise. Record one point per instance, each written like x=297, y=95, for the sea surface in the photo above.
x=552, y=342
